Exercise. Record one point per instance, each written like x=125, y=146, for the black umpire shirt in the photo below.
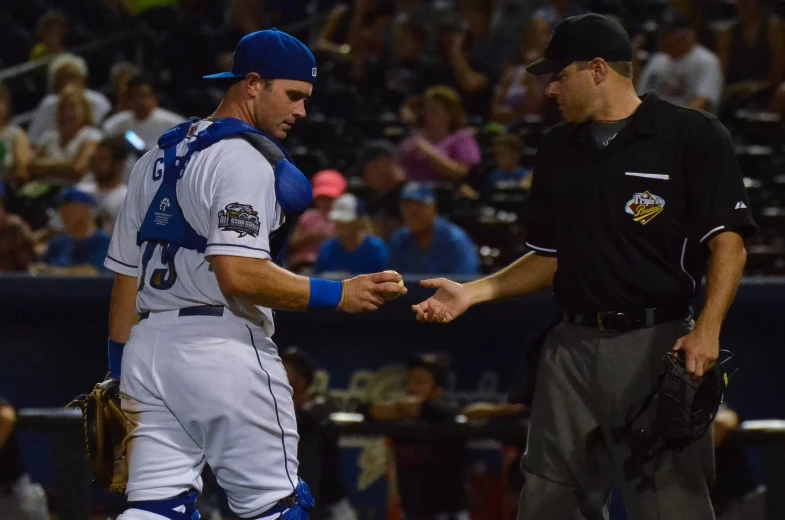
x=629, y=223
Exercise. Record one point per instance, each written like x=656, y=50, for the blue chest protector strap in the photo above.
x=164, y=221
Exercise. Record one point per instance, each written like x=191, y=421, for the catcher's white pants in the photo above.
x=207, y=389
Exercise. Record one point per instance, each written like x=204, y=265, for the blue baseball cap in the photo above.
x=418, y=192
x=77, y=197
x=273, y=55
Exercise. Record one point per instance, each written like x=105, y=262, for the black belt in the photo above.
x=630, y=320
x=199, y=310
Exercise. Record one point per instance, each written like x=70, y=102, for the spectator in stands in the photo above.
x=20, y=498
x=752, y=51
x=317, y=450
x=65, y=154
x=735, y=486
x=15, y=153
x=342, y=32
x=314, y=226
x=473, y=56
x=445, y=149
x=429, y=244
x=50, y=31
x=67, y=70
x=683, y=72
x=383, y=175
x=693, y=11
x=519, y=93
x=430, y=473
x=119, y=76
x=107, y=185
x=81, y=250
x=370, y=56
x=354, y=250
x=145, y=118
x=404, y=76
x=557, y=10
x=245, y=17
x=16, y=243
x=508, y=174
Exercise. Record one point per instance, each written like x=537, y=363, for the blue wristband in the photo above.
x=325, y=294
x=115, y=358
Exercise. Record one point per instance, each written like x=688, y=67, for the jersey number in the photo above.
x=161, y=279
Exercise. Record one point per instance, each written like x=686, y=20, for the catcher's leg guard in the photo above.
x=167, y=508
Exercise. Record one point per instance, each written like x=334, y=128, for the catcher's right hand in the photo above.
x=105, y=428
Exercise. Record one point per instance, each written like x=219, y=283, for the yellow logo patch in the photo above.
x=644, y=207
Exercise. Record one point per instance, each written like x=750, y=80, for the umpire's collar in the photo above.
x=644, y=123
x=645, y=118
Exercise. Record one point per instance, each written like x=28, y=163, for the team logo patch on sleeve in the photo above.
x=644, y=207
x=240, y=218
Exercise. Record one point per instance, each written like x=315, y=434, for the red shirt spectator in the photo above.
x=314, y=226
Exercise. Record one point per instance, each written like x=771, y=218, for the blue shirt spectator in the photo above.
x=65, y=251
x=82, y=248
x=429, y=244
x=508, y=173
x=504, y=180
x=354, y=250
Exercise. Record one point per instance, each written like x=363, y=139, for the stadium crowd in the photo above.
x=420, y=135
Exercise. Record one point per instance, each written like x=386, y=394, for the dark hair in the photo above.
x=117, y=146
x=5, y=95
x=415, y=29
x=433, y=365
x=141, y=80
x=301, y=362
x=451, y=100
x=512, y=142
x=47, y=20
x=372, y=151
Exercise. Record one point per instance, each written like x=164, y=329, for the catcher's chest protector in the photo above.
x=164, y=221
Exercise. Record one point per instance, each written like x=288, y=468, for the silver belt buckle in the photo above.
x=599, y=321
x=601, y=315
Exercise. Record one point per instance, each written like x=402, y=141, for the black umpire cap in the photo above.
x=583, y=38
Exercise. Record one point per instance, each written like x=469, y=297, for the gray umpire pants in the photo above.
x=589, y=384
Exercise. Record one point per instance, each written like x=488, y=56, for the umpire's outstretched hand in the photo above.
x=450, y=301
x=367, y=292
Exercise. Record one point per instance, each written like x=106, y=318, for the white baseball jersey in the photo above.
x=227, y=195
x=203, y=389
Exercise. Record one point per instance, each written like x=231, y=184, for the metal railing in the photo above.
x=72, y=475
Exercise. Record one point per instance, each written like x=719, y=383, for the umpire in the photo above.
x=632, y=198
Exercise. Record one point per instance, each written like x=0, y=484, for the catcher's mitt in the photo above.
x=105, y=427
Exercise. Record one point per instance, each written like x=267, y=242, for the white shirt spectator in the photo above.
x=53, y=149
x=107, y=203
x=7, y=137
x=149, y=130
x=697, y=74
x=45, y=117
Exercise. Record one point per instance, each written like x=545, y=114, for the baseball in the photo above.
x=391, y=296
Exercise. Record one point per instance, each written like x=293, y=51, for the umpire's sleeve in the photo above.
x=540, y=215
x=716, y=200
